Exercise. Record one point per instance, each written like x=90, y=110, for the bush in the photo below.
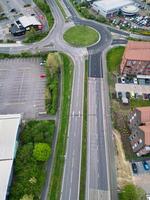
x=41, y=152
x=29, y=174
x=132, y=192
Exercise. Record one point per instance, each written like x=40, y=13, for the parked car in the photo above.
x=134, y=168
x=123, y=79
x=42, y=75
x=145, y=165
x=135, y=81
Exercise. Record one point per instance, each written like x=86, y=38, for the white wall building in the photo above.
x=110, y=7
x=9, y=126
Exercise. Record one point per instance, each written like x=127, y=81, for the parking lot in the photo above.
x=142, y=178
x=22, y=89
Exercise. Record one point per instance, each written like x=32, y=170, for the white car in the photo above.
x=135, y=81
x=123, y=79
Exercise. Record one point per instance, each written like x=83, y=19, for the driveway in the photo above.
x=22, y=90
x=142, y=179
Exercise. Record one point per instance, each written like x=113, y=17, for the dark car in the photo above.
x=145, y=165
x=134, y=168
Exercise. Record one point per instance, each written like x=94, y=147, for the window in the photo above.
x=140, y=140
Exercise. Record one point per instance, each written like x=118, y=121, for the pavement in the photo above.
x=21, y=88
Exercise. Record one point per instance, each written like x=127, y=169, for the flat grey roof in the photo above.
x=9, y=125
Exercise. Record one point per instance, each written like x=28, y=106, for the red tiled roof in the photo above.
x=146, y=130
x=145, y=113
x=136, y=51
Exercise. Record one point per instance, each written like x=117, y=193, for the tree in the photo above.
x=27, y=197
x=53, y=62
x=132, y=192
x=41, y=151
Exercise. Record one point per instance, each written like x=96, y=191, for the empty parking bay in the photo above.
x=22, y=90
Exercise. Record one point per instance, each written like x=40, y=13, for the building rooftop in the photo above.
x=9, y=125
x=29, y=21
x=5, y=171
x=146, y=130
x=136, y=58
x=112, y=4
x=145, y=113
x=8, y=132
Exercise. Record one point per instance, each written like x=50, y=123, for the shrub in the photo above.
x=41, y=152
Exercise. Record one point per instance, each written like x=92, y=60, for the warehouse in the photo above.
x=108, y=8
x=9, y=130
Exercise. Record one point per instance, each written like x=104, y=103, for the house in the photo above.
x=107, y=8
x=136, y=59
x=9, y=131
x=135, y=71
x=139, y=124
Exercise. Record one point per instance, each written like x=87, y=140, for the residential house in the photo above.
x=135, y=71
x=139, y=124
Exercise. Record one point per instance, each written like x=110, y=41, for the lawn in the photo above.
x=114, y=57
x=57, y=173
x=29, y=174
x=80, y=36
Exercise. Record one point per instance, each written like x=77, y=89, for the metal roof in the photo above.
x=9, y=125
x=29, y=21
x=109, y=5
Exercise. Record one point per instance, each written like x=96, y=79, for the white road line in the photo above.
x=70, y=193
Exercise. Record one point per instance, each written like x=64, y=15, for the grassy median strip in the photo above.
x=84, y=138
x=61, y=8
x=57, y=173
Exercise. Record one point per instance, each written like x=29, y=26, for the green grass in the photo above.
x=138, y=103
x=84, y=139
x=114, y=57
x=57, y=173
x=42, y=4
x=29, y=174
x=35, y=37
x=80, y=36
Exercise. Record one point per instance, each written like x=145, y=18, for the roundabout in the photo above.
x=81, y=36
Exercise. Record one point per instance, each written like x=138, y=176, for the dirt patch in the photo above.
x=123, y=166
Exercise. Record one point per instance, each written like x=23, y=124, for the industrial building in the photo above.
x=9, y=130
x=24, y=24
x=108, y=8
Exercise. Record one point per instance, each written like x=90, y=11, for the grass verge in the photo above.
x=58, y=166
x=76, y=36
x=84, y=138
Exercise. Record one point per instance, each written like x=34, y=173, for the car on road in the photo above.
x=42, y=75
x=134, y=168
x=145, y=165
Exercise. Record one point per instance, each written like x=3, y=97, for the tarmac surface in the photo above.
x=21, y=88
